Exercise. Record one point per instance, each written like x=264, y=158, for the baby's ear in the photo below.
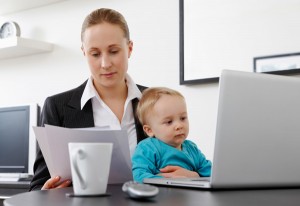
x=147, y=129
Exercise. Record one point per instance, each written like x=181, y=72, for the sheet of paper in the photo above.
x=41, y=136
x=57, y=154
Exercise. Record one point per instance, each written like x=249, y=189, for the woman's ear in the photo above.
x=82, y=49
x=130, y=47
x=147, y=129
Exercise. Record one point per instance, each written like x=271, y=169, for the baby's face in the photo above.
x=168, y=120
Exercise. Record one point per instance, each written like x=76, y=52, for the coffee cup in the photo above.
x=90, y=165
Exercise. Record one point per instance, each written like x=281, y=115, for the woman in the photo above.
x=108, y=97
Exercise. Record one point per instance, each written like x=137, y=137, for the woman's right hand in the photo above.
x=53, y=183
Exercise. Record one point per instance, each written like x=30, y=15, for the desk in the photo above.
x=8, y=189
x=166, y=196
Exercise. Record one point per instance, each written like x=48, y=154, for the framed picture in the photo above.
x=185, y=56
x=278, y=64
x=217, y=35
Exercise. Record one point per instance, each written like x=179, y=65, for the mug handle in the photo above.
x=81, y=155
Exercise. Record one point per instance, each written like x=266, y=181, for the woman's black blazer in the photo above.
x=64, y=110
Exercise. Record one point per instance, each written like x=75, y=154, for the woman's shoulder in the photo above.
x=66, y=95
x=141, y=87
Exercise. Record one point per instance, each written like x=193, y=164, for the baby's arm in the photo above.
x=202, y=165
x=177, y=172
x=204, y=168
x=144, y=163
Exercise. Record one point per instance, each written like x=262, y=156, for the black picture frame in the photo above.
x=282, y=64
x=239, y=41
x=181, y=53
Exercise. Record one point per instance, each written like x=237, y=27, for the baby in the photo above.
x=166, y=152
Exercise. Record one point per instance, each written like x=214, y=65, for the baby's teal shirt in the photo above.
x=152, y=154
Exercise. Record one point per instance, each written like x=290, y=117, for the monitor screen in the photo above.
x=17, y=143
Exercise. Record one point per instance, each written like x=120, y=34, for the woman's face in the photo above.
x=107, y=52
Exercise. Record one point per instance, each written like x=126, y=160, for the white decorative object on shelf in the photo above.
x=17, y=46
x=9, y=29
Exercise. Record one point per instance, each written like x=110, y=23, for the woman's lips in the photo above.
x=108, y=75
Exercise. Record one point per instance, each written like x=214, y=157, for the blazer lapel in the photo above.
x=138, y=127
x=75, y=117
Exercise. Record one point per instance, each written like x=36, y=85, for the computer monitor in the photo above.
x=17, y=141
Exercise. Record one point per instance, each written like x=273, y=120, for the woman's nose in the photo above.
x=105, y=62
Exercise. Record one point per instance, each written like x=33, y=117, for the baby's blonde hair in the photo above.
x=149, y=98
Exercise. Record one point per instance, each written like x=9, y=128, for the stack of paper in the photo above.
x=53, y=142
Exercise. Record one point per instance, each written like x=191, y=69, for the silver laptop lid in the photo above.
x=258, y=132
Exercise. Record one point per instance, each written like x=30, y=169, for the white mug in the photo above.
x=90, y=165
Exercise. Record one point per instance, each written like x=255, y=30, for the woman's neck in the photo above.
x=114, y=98
x=110, y=93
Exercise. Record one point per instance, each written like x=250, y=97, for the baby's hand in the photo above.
x=177, y=172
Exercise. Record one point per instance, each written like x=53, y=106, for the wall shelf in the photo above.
x=18, y=46
x=13, y=6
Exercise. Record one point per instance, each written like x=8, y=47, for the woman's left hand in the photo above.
x=177, y=172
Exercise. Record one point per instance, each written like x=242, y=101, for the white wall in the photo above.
x=154, y=27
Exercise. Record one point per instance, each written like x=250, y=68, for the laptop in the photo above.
x=257, y=141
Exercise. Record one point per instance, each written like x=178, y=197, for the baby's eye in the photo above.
x=169, y=122
x=183, y=118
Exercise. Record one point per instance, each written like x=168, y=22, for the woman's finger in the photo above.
x=50, y=183
x=64, y=184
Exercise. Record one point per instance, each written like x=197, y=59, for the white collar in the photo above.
x=90, y=91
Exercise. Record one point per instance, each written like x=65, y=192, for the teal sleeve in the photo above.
x=144, y=162
x=205, y=167
x=203, y=164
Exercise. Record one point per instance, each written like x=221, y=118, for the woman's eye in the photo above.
x=95, y=54
x=114, y=51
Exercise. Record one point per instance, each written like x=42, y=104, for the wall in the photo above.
x=154, y=27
